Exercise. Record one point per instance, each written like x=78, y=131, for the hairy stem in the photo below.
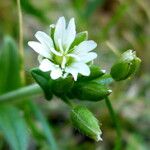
x=116, y=123
x=21, y=93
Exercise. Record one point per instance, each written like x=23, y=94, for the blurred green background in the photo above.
x=115, y=25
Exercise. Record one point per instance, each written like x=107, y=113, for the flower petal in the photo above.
x=44, y=39
x=72, y=71
x=74, y=56
x=60, y=30
x=39, y=48
x=70, y=34
x=55, y=52
x=85, y=47
x=56, y=73
x=88, y=57
x=46, y=65
x=78, y=67
x=40, y=58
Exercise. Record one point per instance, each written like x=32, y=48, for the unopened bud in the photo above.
x=86, y=122
x=126, y=66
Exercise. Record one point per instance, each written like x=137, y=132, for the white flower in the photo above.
x=59, y=53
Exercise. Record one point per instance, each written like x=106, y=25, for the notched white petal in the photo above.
x=40, y=49
x=56, y=73
x=85, y=47
x=44, y=39
x=78, y=67
x=46, y=65
x=70, y=34
x=72, y=71
x=88, y=57
x=60, y=30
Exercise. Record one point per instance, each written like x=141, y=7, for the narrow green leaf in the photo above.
x=10, y=66
x=47, y=131
x=14, y=127
x=32, y=10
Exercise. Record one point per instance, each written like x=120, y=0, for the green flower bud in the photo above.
x=95, y=72
x=86, y=122
x=126, y=66
x=91, y=91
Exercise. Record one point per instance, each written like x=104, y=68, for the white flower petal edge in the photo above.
x=46, y=65
x=78, y=67
x=85, y=47
x=40, y=49
x=55, y=74
x=60, y=30
x=44, y=39
x=88, y=57
x=70, y=34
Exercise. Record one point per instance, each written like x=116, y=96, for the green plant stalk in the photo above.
x=21, y=49
x=21, y=93
x=114, y=118
x=66, y=100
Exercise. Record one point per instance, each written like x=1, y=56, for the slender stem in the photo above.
x=21, y=93
x=21, y=50
x=67, y=101
x=113, y=48
x=116, y=123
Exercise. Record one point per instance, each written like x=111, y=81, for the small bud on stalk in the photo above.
x=86, y=122
x=126, y=66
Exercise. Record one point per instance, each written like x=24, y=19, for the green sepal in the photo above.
x=120, y=71
x=95, y=72
x=135, y=66
x=52, y=30
x=123, y=70
x=90, y=91
x=106, y=79
x=80, y=37
x=62, y=86
x=85, y=122
x=44, y=80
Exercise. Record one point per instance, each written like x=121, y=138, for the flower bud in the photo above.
x=86, y=122
x=91, y=91
x=126, y=66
